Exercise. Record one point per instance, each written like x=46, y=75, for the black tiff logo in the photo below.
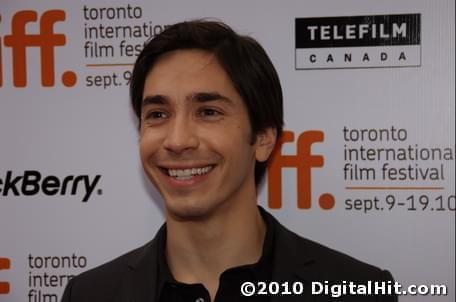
x=358, y=42
x=32, y=182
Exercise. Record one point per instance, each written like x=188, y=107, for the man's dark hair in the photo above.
x=243, y=59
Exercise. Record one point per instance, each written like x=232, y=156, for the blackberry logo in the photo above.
x=31, y=183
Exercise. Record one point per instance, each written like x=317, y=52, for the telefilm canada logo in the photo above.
x=358, y=42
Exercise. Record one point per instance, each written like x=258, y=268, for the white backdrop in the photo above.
x=84, y=135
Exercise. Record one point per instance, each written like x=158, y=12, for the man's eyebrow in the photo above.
x=199, y=97
x=154, y=100
x=203, y=97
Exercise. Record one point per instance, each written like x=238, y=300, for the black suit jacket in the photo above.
x=132, y=277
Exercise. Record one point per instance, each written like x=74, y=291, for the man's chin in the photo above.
x=187, y=211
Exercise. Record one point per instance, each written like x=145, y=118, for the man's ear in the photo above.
x=265, y=143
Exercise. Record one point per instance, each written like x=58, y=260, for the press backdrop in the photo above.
x=369, y=107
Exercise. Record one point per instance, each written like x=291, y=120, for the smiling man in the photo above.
x=209, y=105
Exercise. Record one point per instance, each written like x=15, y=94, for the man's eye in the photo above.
x=156, y=115
x=209, y=112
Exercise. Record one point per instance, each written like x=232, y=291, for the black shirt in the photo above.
x=170, y=290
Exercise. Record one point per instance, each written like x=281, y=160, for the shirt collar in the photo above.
x=260, y=270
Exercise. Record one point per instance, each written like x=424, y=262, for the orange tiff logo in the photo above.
x=5, y=263
x=46, y=40
x=303, y=161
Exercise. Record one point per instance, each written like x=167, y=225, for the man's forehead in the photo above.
x=191, y=74
x=193, y=57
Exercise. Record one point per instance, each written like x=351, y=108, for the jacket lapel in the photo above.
x=139, y=284
x=291, y=264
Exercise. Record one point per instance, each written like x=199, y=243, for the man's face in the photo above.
x=195, y=134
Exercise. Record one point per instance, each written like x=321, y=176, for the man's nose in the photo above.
x=181, y=135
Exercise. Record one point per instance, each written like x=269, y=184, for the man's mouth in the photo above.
x=187, y=173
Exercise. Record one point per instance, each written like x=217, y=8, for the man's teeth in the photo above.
x=187, y=173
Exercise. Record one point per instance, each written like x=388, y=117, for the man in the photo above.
x=209, y=104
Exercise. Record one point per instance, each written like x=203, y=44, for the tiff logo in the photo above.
x=303, y=161
x=5, y=264
x=46, y=40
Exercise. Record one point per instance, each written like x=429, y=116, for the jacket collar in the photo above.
x=291, y=262
x=139, y=283
x=291, y=257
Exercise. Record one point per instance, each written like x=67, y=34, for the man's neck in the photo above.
x=199, y=251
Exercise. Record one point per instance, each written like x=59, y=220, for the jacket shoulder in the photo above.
x=102, y=282
x=338, y=264
x=322, y=262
